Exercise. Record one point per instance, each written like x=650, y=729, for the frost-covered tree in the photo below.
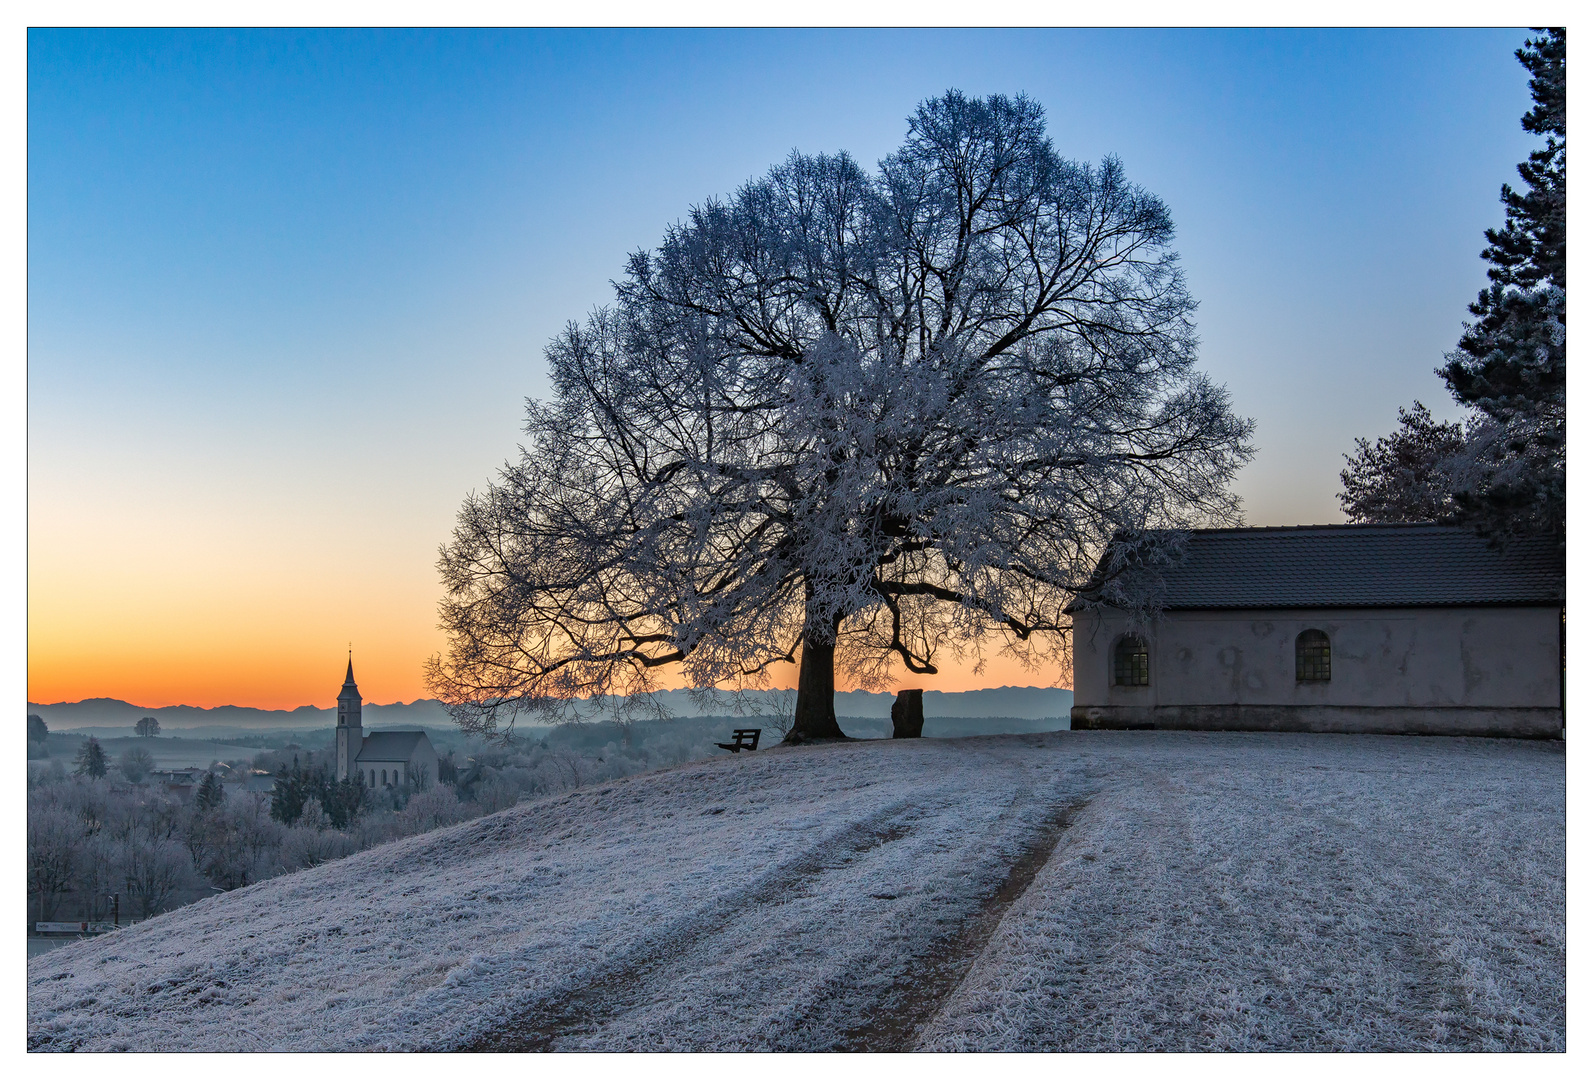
x=1506, y=473
x=55, y=844
x=1510, y=363
x=153, y=871
x=1407, y=476
x=341, y=800
x=847, y=419
x=135, y=764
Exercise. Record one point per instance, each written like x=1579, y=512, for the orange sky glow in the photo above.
x=259, y=609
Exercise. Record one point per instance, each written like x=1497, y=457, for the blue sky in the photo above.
x=288, y=290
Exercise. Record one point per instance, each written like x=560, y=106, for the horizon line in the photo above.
x=420, y=701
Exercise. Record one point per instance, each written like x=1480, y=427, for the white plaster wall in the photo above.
x=424, y=757
x=1477, y=657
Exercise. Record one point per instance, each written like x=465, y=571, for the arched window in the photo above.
x=384, y=777
x=1313, y=657
x=1131, y=662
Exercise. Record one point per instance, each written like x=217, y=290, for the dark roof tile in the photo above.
x=389, y=745
x=1360, y=566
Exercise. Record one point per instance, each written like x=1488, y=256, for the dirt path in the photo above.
x=839, y=948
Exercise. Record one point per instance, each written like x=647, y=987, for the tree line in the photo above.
x=98, y=831
x=1501, y=469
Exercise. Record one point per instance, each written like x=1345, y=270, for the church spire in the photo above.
x=350, y=739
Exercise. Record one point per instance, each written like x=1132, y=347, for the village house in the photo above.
x=1413, y=629
x=179, y=782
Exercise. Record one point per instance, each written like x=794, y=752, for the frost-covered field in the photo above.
x=1075, y=890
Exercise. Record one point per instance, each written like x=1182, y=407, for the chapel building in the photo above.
x=382, y=758
x=1400, y=629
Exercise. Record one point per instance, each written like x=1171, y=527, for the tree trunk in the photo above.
x=815, y=704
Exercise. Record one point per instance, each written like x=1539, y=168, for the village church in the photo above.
x=382, y=758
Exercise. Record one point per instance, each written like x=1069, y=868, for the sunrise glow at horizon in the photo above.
x=289, y=290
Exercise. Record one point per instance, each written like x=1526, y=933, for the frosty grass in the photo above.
x=1205, y=892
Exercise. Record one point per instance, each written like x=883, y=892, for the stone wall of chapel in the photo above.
x=1476, y=657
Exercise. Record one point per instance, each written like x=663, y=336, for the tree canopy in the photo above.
x=211, y=794
x=1507, y=476
x=1510, y=363
x=136, y=763
x=849, y=419
x=1404, y=476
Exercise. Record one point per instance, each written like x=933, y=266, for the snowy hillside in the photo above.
x=1073, y=890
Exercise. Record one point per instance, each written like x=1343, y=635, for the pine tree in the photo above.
x=90, y=759
x=1510, y=363
x=210, y=794
x=343, y=800
x=288, y=795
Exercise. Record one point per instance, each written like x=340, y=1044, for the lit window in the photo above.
x=1131, y=662
x=1313, y=657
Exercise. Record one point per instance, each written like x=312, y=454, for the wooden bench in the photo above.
x=746, y=739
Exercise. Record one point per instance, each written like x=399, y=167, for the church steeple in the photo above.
x=350, y=737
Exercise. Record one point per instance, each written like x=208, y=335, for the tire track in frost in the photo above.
x=621, y=985
x=918, y=998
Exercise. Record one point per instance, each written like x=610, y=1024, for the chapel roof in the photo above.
x=390, y=745
x=1407, y=565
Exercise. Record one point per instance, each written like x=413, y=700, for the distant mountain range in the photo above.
x=1021, y=702
x=110, y=712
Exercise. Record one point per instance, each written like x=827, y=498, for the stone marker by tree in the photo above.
x=90, y=760
x=148, y=727
x=907, y=715
x=847, y=420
